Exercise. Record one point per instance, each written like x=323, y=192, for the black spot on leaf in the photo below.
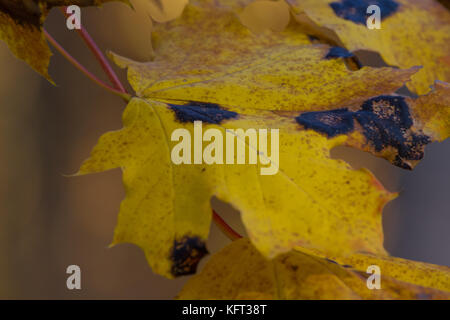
x=206, y=112
x=338, y=52
x=385, y=121
x=332, y=123
x=356, y=10
x=186, y=254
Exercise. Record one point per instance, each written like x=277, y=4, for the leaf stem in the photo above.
x=99, y=55
x=120, y=91
x=224, y=227
x=86, y=72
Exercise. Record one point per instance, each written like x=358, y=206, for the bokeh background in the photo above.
x=49, y=221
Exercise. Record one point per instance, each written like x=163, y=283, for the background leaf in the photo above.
x=413, y=33
x=239, y=271
x=21, y=25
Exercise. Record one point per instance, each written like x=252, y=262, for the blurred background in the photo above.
x=49, y=221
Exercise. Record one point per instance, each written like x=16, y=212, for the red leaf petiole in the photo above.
x=99, y=55
x=224, y=227
x=86, y=72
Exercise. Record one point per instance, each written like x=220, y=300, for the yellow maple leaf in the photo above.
x=239, y=271
x=167, y=209
x=209, y=67
x=21, y=28
x=268, y=71
x=429, y=120
x=413, y=32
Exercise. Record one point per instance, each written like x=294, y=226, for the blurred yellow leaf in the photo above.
x=239, y=271
x=418, y=273
x=21, y=24
x=413, y=33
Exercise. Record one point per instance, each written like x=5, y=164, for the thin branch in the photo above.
x=99, y=55
x=80, y=67
x=224, y=227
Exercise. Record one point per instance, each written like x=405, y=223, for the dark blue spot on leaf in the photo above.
x=206, y=112
x=338, y=52
x=186, y=254
x=332, y=123
x=356, y=10
x=386, y=121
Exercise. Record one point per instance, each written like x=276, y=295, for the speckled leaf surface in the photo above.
x=413, y=33
x=239, y=271
x=167, y=209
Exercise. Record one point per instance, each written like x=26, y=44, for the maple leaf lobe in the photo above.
x=202, y=111
x=186, y=254
x=355, y=10
x=385, y=120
